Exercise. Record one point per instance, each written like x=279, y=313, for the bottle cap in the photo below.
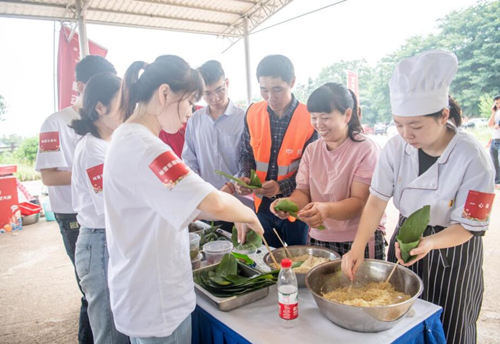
x=286, y=263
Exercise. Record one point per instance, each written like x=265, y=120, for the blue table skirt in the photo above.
x=208, y=330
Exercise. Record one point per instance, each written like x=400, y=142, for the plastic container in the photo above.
x=194, y=245
x=196, y=263
x=28, y=208
x=215, y=250
x=47, y=209
x=288, y=295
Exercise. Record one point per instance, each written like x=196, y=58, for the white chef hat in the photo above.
x=419, y=85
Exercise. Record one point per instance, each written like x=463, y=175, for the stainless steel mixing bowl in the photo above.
x=327, y=277
x=300, y=250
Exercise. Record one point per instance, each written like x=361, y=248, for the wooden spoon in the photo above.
x=271, y=253
x=390, y=275
x=282, y=243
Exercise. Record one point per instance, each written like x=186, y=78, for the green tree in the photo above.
x=27, y=150
x=473, y=35
x=485, y=105
x=337, y=72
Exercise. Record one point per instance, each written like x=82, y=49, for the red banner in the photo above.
x=67, y=58
x=352, y=83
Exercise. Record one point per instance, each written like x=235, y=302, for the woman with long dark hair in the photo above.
x=335, y=173
x=99, y=117
x=151, y=196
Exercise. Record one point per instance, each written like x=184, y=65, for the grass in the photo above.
x=25, y=169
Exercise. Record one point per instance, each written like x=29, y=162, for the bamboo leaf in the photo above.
x=236, y=180
x=406, y=249
x=411, y=231
x=254, y=179
x=292, y=209
x=252, y=242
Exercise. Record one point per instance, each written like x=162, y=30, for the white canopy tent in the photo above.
x=229, y=19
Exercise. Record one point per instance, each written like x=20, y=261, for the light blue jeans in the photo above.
x=91, y=261
x=181, y=335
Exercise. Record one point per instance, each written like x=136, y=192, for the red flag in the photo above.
x=67, y=58
x=352, y=83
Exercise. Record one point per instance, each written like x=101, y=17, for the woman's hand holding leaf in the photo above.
x=279, y=213
x=424, y=247
x=314, y=214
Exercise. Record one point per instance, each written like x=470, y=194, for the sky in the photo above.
x=355, y=29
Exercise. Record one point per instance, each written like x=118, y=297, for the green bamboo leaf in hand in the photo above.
x=411, y=231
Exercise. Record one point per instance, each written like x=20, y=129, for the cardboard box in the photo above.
x=10, y=214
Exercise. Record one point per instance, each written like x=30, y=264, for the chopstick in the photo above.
x=271, y=253
x=390, y=275
x=282, y=243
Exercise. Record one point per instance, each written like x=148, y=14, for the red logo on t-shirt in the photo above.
x=95, y=177
x=478, y=206
x=49, y=142
x=169, y=168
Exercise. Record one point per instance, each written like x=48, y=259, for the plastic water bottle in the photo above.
x=288, y=295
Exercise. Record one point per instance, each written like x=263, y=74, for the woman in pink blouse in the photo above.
x=335, y=173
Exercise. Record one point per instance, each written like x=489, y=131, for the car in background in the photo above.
x=380, y=128
x=367, y=129
x=392, y=130
x=476, y=123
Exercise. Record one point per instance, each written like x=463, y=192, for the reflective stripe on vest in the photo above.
x=299, y=131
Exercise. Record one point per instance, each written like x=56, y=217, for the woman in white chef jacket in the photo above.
x=432, y=163
x=99, y=117
x=151, y=196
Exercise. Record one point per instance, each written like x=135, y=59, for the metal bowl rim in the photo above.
x=305, y=246
x=411, y=300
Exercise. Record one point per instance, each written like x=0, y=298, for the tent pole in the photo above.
x=247, y=61
x=82, y=28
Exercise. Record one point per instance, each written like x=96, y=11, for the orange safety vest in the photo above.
x=299, y=131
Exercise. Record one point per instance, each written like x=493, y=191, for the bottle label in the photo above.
x=288, y=305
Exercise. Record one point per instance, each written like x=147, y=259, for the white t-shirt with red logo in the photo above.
x=86, y=181
x=150, y=197
x=56, y=147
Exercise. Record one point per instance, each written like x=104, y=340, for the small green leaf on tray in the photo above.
x=411, y=231
x=226, y=282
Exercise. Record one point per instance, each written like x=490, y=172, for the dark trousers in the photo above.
x=69, y=230
x=495, y=157
x=293, y=233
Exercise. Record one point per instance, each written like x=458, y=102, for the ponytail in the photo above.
x=129, y=86
x=84, y=126
x=455, y=112
x=101, y=88
x=166, y=69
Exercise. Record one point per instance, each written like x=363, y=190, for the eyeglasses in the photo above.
x=219, y=92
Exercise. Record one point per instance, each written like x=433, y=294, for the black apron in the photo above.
x=453, y=279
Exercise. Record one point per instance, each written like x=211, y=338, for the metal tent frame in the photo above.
x=232, y=20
